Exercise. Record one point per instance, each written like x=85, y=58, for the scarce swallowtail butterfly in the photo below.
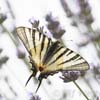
x=48, y=57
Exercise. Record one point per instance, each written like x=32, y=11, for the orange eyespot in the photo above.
x=40, y=68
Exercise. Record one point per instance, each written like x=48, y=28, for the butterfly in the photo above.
x=47, y=56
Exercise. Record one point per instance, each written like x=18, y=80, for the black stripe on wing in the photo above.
x=33, y=36
x=49, y=43
x=59, y=56
x=42, y=44
x=73, y=58
x=24, y=35
x=50, y=52
x=40, y=34
x=21, y=31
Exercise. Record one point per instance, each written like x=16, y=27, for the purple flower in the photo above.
x=34, y=97
x=34, y=22
x=70, y=76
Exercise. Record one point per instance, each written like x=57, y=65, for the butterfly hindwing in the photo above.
x=65, y=59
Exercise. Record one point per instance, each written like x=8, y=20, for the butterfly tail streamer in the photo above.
x=40, y=81
x=29, y=79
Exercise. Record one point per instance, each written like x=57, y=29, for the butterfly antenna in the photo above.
x=40, y=81
x=29, y=79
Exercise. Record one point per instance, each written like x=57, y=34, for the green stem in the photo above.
x=97, y=42
x=10, y=35
x=81, y=90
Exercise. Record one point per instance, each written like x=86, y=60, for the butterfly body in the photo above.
x=49, y=57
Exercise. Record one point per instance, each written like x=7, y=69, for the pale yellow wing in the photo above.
x=50, y=56
x=35, y=42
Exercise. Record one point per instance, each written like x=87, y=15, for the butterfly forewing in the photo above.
x=21, y=33
x=35, y=42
